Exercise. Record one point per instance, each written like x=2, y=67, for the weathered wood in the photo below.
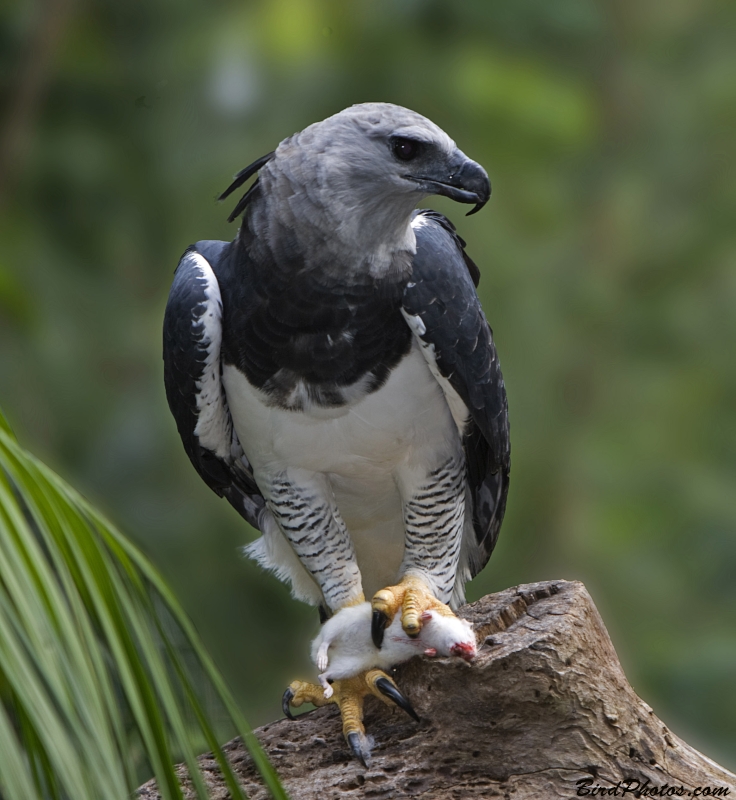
x=544, y=706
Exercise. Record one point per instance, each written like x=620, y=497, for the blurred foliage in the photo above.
x=102, y=677
x=607, y=251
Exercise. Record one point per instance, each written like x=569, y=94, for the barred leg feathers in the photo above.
x=303, y=506
x=434, y=517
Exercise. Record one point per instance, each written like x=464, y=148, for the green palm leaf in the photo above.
x=91, y=681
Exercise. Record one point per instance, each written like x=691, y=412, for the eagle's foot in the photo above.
x=300, y=692
x=349, y=695
x=413, y=598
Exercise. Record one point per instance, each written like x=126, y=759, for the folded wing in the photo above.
x=442, y=308
x=192, y=376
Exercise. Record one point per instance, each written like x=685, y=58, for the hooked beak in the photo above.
x=461, y=179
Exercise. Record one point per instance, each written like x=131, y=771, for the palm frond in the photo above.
x=91, y=679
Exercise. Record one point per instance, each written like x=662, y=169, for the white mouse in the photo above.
x=344, y=646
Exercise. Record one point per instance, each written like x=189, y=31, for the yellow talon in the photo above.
x=349, y=695
x=412, y=596
x=300, y=692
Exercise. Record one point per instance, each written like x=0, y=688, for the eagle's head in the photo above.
x=380, y=153
x=356, y=177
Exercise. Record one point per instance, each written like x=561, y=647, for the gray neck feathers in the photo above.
x=342, y=226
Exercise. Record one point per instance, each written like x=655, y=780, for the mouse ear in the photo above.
x=426, y=616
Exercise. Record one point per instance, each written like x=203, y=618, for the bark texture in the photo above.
x=544, y=706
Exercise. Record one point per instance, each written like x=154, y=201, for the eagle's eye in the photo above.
x=405, y=149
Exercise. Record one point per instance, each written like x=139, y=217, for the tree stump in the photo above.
x=544, y=711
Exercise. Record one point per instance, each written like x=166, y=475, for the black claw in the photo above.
x=285, y=700
x=379, y=622
x=355, y=746
x=388, y=689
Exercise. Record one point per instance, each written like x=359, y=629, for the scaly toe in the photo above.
x=412, y=596
x=300, y=692
x=385, y=604
x=388, y=600
x=417, y=601
x=349, y=695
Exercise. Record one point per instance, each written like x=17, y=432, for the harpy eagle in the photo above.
x=333, y=376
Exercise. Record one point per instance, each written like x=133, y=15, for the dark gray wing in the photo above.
x=192, y=375
x=443, y=309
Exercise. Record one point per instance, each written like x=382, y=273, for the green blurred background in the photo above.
x=608, y=254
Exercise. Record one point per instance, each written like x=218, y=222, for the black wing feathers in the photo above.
x=185, y=352
x=442, y=294
x=442, y=220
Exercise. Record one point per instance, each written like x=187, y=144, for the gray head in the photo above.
x=357, y=176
